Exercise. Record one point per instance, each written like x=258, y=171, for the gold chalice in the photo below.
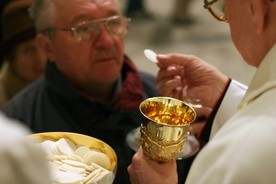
x=165, y=127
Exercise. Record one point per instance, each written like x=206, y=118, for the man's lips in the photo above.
x=104, y=59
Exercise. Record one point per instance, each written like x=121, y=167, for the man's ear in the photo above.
x=259, y=11
x=46, y=45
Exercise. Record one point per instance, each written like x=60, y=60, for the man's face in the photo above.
x=238, y=14
x=87, y=62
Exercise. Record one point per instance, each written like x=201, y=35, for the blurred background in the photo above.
x=155, y=27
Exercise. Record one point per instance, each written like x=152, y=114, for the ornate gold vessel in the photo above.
x=165, y=127
x=81, y=140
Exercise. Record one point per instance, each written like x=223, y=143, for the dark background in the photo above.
x=2, y=4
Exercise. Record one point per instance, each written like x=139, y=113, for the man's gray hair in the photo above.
x=43, y=13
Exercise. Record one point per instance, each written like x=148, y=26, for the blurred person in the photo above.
x=241, y=147
x=180, y=15
x=23, y=59
x=181, y=12
x=90, y=86
x=21, y=161
x=137, y=9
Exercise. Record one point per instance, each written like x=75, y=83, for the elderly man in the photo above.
x=90, y=86
x=241, y=149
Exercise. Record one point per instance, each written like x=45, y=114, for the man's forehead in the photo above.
x=99, y=2
x=75, y=4
x=87, y=9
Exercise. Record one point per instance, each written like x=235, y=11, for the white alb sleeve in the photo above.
x=228, y=106
x=21, y=161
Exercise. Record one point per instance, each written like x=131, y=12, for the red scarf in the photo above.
x=131, y=90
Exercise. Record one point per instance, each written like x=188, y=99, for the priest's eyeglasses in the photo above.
x=216, y=8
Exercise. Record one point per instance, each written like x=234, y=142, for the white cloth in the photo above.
x=20, y=160
x=228, y=106
x=243, y=150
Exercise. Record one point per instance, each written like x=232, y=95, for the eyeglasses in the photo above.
x=216, y=8
x=88, y=31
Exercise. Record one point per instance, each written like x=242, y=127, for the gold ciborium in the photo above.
x=83, y=140
x=165, y=127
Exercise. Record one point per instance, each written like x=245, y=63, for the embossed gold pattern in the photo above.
x=165, y=127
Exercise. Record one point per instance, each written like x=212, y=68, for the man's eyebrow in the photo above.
x=81, y=17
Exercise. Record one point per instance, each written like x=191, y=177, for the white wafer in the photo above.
x=71, y=164
x=66, y=146
x=98, y=158
x=90, y=178
x=71, y=178
x=81, y=151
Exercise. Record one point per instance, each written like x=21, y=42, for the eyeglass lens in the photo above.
x=89, y=31
x=217, y=8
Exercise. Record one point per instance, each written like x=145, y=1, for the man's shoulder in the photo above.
x=25, y=98
x=32, y=89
